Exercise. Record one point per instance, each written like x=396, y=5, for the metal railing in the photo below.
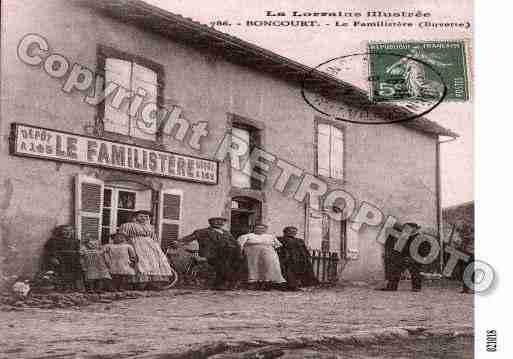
x=325, y=266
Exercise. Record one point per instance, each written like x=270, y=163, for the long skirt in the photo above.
x=94, y=266
x=152, y=264
x=263, y=264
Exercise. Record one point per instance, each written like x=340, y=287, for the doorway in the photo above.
x=326, y=239
x=245, y=212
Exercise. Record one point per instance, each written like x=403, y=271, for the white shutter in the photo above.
x=315, y=229
x=239, y=178
x=323, y=149
x=144, y=78
x=335, y=235
x=170, y=215
x=337, y=153
x=88, y=207
x=118, y=72
x=352, y=246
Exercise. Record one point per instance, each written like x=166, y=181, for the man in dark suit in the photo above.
x=397, y=261
x=295, y=260
x=220, y=249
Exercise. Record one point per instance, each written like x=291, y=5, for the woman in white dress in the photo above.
x=263, y=263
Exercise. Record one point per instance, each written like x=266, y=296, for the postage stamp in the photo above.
x=418, y=71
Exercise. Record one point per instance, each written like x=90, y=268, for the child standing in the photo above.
x=120, y=258
x=96, y=273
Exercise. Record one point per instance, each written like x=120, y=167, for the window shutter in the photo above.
x=118, y=72
x=337, y=153
x=239, y=178
x=144, y=78
x=352, y=247
x=315, y=229
x=323, y=149
x=326, y=236
x=170, y=216
x=88, y=207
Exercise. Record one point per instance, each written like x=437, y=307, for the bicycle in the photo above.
x=191, y=269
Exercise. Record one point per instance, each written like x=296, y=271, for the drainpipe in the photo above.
x=439, y=214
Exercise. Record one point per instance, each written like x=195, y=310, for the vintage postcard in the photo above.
x=229, y=179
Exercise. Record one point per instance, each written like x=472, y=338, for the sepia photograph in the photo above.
x=231, y=179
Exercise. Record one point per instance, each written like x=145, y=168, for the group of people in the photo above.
x=259, y=259
x=398, y=257
x=132, y=260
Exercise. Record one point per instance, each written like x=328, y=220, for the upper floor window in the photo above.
x=330, y=151
x=132, y=108
x=246, y=139
x=239, y=177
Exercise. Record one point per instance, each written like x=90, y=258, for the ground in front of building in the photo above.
x=432, y=348
x=179, y=321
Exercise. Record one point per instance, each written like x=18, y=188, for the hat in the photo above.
x=142, y=211
x=288, y=228
x=213, y=219
x=412, y=224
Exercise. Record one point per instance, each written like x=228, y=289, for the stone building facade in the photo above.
x=68, y=157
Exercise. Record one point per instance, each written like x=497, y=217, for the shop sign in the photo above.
x=31, y=141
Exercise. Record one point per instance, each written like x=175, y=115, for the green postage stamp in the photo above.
x=419, y=71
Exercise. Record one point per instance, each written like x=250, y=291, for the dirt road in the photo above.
x=177, y=321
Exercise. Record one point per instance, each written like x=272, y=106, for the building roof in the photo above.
x=241, y=52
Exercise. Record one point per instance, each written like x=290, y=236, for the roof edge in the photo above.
x=196, y=34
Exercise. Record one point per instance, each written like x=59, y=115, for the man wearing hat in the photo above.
x=220, y=249
x=295, y=260
x=397, y=261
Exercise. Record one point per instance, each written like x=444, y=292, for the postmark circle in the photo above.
x=370, y=106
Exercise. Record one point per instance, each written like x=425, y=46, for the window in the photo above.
x=101, y=208
x=126, y=115
x=330, y=151
x=247, y=138
x=118, y=207
x=324, y=233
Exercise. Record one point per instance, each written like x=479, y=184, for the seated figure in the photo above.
x=61, y=255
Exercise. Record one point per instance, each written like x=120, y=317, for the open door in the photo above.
x=325, y=238
x=245, y=213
